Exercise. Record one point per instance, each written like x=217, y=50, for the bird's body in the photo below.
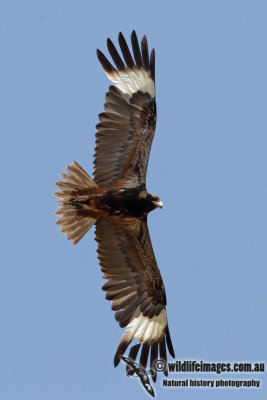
x=129, y=202
x=117, y=203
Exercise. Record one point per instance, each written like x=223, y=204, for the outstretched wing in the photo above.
x=126, y=127
x=134, y=287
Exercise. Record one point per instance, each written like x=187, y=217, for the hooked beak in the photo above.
x=158, y=203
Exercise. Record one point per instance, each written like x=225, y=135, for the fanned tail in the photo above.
x=74, y=183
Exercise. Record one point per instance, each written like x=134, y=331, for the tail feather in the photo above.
x=72, y=224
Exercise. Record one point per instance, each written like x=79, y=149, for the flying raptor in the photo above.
x=117, y=203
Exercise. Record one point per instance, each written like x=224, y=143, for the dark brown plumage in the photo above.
x=117, y=202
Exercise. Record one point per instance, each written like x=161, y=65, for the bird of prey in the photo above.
x=117, y=202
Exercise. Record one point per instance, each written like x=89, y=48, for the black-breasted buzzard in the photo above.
x=117, y=202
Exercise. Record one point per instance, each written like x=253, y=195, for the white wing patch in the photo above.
x=130, y=81
x=146, y=330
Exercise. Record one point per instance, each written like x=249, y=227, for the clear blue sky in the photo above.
x=208, y=165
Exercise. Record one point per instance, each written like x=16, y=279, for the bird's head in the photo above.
x=149, y=201
x=156, y=200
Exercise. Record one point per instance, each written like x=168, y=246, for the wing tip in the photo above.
x=106, y=65
x=122, y=347
x=169, y=342
x=140, y=59
x=157, y=351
